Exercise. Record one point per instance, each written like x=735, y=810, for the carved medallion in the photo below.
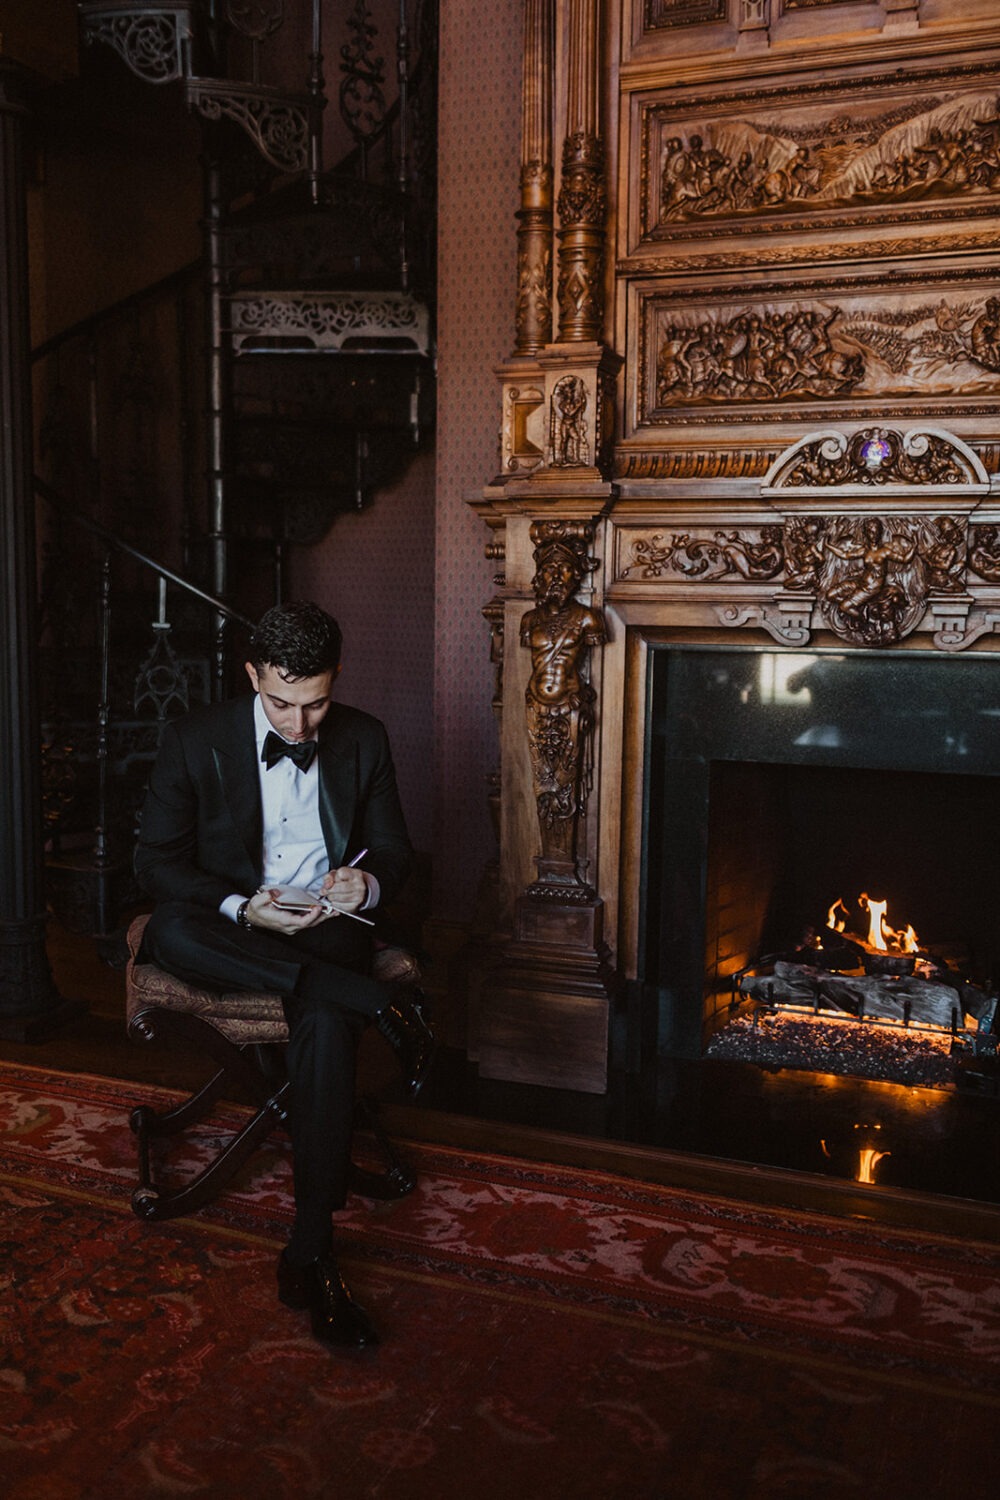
x=872, y=575
x=876, y=456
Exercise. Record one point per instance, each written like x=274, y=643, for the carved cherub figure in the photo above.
x=868, y=587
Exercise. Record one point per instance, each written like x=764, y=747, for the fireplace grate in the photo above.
x=784, y=1012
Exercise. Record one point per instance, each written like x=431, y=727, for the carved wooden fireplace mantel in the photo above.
x=771, y=420
x=881, y=539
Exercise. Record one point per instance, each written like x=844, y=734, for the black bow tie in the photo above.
x=275, y=747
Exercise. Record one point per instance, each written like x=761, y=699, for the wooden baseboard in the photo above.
x=770, y=1187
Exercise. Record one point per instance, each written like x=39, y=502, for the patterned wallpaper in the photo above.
x=374, y=572
x=479, y=160
x=407, y=577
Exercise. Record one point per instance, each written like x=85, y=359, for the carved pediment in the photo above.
x=875, y=458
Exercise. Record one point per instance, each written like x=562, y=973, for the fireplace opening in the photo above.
x=800, y=911
x=780, y=784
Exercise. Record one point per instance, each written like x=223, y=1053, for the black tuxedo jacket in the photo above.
x=201, y=836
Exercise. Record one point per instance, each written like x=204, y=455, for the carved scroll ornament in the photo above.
x=872, y=578
x=154, y=44
x=559, y=702
x=754, y=554
x=877, y=456
x=326, y=320
x=277, y=123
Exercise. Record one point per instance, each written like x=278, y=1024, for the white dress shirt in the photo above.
x=294, y=849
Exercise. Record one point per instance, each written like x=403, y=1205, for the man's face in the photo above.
x=295, y=709
x=556, y=582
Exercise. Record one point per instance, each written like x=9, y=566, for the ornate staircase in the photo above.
x=314, y=390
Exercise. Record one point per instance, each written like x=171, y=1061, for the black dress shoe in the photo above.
x=411, y=1039
x=319, y=1286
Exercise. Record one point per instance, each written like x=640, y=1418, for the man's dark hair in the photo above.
x=298, y=638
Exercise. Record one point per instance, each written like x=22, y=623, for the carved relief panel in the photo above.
x=853, y=152
x=813, y=350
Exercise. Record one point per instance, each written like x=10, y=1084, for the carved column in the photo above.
x=534, y=235
x=30, y=1005
x=546, y=981
x=567, y=413
x=545, y=1000
x=582, y=197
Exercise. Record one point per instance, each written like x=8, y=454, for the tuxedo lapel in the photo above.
x=234, y=750
x=338, y=787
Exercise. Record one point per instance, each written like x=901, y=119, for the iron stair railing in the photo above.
x=89, y=886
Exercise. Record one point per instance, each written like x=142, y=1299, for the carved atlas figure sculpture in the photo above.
x=559, y=632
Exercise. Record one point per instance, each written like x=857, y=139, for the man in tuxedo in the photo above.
x=287, y=788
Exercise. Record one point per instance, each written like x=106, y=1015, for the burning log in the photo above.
x=790, y=984
x=920, y=1002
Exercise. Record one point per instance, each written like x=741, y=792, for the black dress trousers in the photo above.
x=328, y=998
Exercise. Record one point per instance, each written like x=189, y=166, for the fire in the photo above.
x=837, y=923
x=868, y=1160
x=880, y=937
x=868, y=1156
x=876, y=916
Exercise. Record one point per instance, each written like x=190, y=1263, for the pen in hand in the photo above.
x=343, y=910
x=329, y=906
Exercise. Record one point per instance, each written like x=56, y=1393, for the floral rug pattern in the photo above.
x=545, y=1332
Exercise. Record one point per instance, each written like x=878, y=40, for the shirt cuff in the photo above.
x=231, y=906
x=374, y=891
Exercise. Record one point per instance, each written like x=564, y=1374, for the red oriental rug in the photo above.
x=547, y=1333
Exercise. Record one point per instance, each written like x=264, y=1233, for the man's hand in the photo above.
x=264, y=914
x=346, y=887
